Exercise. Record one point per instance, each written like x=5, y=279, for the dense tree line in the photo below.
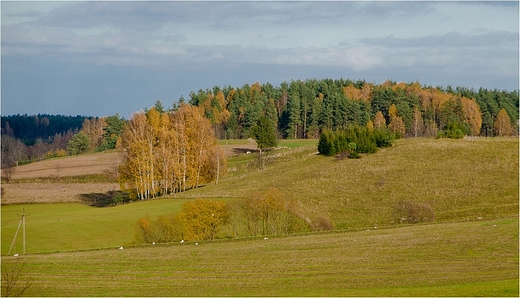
x=42, y=126
x=92, y=134
x=302, y=109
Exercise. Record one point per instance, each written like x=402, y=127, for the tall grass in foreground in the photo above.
x=477, y=258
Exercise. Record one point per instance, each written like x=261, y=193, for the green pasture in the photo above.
x=68, y=227
x=477, y=258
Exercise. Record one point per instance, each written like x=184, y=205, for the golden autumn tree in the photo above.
x=379, y=121
x=370, y=125
x=93, y=129
x=399, y=86
x=353, y=93
x=417, y=123
x=502, y=124
x=136, y=171
x=168, y=152
x=414, y=89
x=472, y=115
x=202, y=219
x=396, y=124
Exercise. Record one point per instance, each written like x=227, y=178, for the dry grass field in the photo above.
x=55, y=192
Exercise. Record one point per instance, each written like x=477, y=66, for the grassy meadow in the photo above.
x=470, y=249
x=68, y=227
x=461, y=180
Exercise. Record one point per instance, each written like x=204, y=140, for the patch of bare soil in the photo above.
x=55, y=191
x=88, y=164
x=236, y=149
x=23, y=193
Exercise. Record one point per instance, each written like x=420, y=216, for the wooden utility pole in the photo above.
x=22, y=222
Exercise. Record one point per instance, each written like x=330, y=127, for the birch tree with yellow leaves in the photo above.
x=503, y=125
x=168, y=152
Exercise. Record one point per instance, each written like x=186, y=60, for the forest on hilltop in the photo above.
x=301, y=109
x=298, y=109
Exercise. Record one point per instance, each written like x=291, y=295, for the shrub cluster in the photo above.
x=267, y=214
x=260, y=215
x=411, y=212
x=454, y=130
x=108, y=199
x=354, y=140
x=197, y=220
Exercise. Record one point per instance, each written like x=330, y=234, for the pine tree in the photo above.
x=264, y=133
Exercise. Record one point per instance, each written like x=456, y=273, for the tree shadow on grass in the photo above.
x=108, y=199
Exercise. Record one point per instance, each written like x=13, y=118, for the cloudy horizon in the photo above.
x=101, y=58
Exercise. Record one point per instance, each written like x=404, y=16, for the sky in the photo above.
x=99, y=58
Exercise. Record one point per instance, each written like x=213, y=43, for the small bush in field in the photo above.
x=197, y=220
x=321, y=223
x=271, y=213
x=411, y=212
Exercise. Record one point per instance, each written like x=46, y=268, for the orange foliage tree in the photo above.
x=503, y=124
x=379, y=121
x=396, y=124
x=93, y=129
x=472, y=115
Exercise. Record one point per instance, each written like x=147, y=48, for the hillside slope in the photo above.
x=462, y=179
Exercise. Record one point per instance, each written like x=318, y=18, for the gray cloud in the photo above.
x=450, y=39
x=125, y=55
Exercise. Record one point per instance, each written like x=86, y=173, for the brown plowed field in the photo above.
x=27, y=191
x=96, y=163
x=55, y=192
